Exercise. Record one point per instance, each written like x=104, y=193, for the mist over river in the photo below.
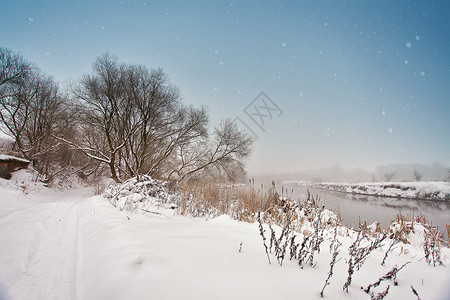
x=353, y=207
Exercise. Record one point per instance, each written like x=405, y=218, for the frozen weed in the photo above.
x=415, y=292
x=392, y=274
x=336, y=244
x=431, y=247
x=261, y=232
x=381, y=295
x=391, y=247
x=358, y=254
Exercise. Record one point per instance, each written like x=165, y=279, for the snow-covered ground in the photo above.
x=69, y=245
x=39, y=238
x=431, y=190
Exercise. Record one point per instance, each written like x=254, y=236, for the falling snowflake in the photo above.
x=422, y=73
x=30, y=19
x=417, y=37
x=383, y=112
x=283, y=44
x=390, y=130
x=406, y=62
x=408, y=45
x=221, y=63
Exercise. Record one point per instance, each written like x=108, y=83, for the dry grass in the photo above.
x=447, y=227
x=401, y=227
x=244, y=202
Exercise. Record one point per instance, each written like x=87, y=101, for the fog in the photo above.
x=336, y=173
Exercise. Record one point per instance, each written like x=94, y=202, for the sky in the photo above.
x=317, y=83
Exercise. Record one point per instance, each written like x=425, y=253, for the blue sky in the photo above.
x=359, y=83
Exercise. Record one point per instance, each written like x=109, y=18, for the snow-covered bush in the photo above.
x=141, y=192
x=27, y=180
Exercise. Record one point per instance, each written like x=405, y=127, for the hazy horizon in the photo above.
x=358, y=84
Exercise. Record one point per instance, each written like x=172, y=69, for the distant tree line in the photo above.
x=121, y=119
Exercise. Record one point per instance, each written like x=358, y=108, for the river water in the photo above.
x=353, y=208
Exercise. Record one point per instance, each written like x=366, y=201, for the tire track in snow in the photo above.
x=65, y=252
x=50, y=266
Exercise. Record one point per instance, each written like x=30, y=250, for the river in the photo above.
x=353, y=208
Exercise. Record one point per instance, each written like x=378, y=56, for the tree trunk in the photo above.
x=113, y=169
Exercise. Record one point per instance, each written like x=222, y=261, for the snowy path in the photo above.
x=39, y=245
x=66, y=246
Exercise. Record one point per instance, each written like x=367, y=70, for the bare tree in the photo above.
x=418, y=175
x=133, y=120
x=126, y=118
x=225, y=154
x=165, y=123
x=31, y=115
x=31, y=111
x=389, y=175
x=13, y=69
x=14, y=73
x=107, y=116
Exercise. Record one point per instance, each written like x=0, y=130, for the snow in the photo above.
x=432, y=190
x=10, y=157
x=39, y=235
x=72, y=245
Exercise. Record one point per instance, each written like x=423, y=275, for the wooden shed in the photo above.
x=9, y=164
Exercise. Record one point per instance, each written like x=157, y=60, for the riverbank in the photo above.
x=433, y=190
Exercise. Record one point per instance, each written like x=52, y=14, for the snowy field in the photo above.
x=72, y=245
x=432, y=190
